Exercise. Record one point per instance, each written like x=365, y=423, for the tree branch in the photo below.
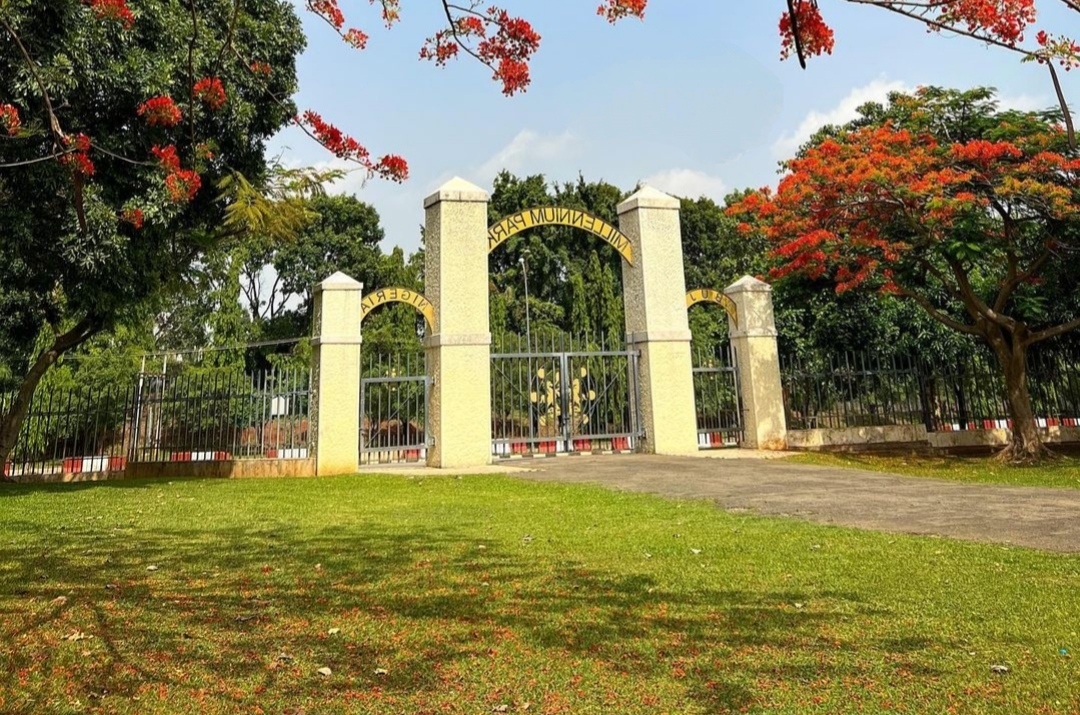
x=1053, y=332
x=937, y=315
x=975, y=305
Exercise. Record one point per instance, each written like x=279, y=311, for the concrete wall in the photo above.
x=867, y=438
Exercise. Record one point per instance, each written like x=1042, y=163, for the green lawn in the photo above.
x=489, y=594
x=1064, y=472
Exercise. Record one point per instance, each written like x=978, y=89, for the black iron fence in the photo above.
x=716, y=397
x=197, y=415
x=966, y=393
x=72, y=430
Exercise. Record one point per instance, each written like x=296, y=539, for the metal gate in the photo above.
x=394, y=391
x=717, y=399
x=562, y=399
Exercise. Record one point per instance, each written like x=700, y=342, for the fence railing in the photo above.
x=221, y=415
x=203, y=415
x=858, y=390
x=72, y=430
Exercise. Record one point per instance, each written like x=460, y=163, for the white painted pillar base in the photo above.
x=335, y=378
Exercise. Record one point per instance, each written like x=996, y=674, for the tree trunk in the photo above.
x=1025, y=445
x=11, y=422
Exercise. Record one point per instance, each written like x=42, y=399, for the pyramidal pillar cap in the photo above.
x=457, y=189
x=339, y=281
x=648, y=197
x=748, y=284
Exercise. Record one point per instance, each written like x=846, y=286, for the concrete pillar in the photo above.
x=754, y=342
x=335, y=380
x=654, y=293
x=459, y=354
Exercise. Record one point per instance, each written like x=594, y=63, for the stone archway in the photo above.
x=571, y=393
x=384, y=296
x=457, y=243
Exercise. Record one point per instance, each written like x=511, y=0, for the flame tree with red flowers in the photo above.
x=941, y=199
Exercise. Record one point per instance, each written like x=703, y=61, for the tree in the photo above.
x=276, y=276
x=969, y=212
x=102, y=190
x=574, y=278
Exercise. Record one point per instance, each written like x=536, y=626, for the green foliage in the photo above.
x=53, y=270
x=574, y=279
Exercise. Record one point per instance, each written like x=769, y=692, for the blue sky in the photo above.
x=694, y=100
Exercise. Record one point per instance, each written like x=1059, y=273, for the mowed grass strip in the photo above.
x=1063, y=472
x=490, y=594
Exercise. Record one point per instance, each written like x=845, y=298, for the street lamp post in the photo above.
x=528, y=346
x=525, y=275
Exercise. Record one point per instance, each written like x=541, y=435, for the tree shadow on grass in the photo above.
x=232, y=618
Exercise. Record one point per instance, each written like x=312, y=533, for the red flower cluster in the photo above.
x=77, y=157
x=9, y=119
x=261, y=68
x=167, y=157
x=356, y=38
x=512, y=46
x=441, y=47
x=329, y=11
x=211, y=91
x=1060, y=48
x=506, y=52
x=985, y=153
x=160, y=111
x=815, y=36
x=392, y=167
x=345, y=147
x=340, y=144
x=116, y=10
x=615, y=10
x=181, y=184
x=1003, y=19
x=134, y=217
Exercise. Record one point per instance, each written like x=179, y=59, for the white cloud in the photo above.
x=688, y=183
x=845, y=111
x=528, y=149
x=1023, y=102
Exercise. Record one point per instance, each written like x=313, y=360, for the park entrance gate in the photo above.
x=564, y=396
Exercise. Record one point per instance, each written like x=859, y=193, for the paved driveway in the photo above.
x=1025, y=516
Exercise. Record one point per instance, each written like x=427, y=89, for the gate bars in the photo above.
x=394, y=391
x=563, y=396
x=717, y=398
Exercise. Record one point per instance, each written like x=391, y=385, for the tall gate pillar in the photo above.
x=654, y=294
x=754, y=342
x=335, y=380
x=459, y=353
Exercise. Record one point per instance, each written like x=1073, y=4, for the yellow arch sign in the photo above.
x=555, y=216
x=383, y=296
x=707, y=295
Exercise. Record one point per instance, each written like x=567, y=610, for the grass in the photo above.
x=489, y=594
x=1063, y=473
